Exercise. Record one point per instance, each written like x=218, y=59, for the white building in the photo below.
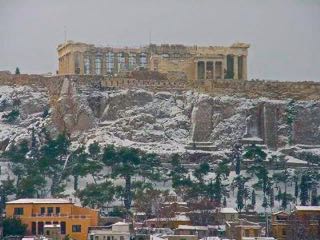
x=118, y=231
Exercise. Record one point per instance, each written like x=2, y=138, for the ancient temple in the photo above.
x=194, y=63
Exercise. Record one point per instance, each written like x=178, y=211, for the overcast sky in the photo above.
x=284, y=34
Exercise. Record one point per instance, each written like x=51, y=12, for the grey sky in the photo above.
x=284, y=34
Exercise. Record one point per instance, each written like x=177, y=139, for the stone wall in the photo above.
x=306, y=90
x=248, y=89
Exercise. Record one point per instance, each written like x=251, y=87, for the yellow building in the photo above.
x=170, y=222
x=242, y=229
x=36, y=213
x=192, y=63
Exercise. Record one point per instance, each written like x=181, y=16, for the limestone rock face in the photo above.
x=71, y=111
x=162, y=122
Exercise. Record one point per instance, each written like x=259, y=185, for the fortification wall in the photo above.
x=257, y=88
x=249, y=89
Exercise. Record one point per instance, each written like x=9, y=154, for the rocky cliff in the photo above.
x=162, y=122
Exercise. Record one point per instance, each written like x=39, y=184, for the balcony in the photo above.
x=52, y=215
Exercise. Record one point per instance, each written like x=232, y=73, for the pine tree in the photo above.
x=126, y=163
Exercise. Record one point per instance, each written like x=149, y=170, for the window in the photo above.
x=246, y=233
x=98, y=65
x=50, y=210
x=63, y=227
x=96, y=238
x=143, y=60
x=121, y=237
x=76, y=228
x=132, y=61
x=121, y=62
x=108, y=238
x=284, y=232
x=18, y=211
x=86, y=65
x=57, y=210
x=42, y=210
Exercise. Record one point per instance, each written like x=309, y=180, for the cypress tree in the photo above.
x=304, y=190
x=284, y=200
x=296, y=190
x=253, y=198
x=314, y=197
x=17, y=72
x=240, y=199
x=271, y=197
x=265, y=202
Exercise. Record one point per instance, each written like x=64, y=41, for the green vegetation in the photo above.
x=43, y=166
x=17, y=71
x=11, y=117
x=13, y=227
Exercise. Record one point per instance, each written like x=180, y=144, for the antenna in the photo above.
x=65, y=33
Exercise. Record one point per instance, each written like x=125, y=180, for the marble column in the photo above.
x=213, y=70
x=196, y=71
x=224, y=66
x=244, y=68
x=235, y=68
x=205, y=70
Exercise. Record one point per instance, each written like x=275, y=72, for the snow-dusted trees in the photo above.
x=127, y=163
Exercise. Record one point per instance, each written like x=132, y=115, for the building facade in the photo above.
x=38, y=213
x=302, y=223
x=187, y=62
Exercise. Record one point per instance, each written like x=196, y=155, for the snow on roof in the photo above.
x=291, y=159
x=120, y=224
x=176, y=218
x=307, y=208
x=228, y=210
x=187, y=227
x=210, y=238
x=258, y=238
x=39, y=201
x=179, y=203
x=217, y=227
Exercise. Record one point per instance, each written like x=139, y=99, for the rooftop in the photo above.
x=187, y=227
x=228, y=210
x=307, y=208
x=39, y=201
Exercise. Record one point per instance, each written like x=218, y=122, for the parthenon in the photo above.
x=193, y=63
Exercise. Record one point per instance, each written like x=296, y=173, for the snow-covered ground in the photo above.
x=154, y=122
